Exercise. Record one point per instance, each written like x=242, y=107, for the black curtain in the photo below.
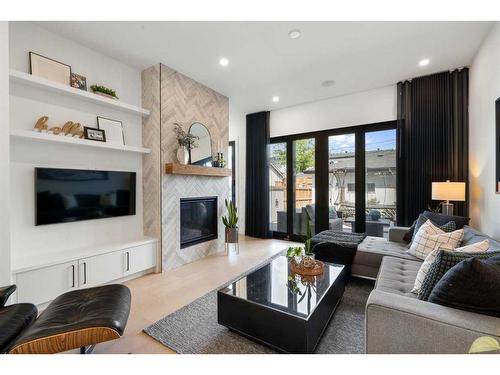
x=257, y=176
x=432, y=139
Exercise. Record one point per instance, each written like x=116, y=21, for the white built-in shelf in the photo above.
x=45, y=137
x=35, y=261
x=45, y=84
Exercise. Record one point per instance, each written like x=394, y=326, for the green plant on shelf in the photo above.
x=104, y=90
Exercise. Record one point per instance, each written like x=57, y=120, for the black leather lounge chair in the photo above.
x=77, y=319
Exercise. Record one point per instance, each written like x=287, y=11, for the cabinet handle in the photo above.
x=73, y=271
x=84, y=272
x=128, y=261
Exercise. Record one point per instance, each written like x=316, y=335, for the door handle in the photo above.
x=128, y=261
x=84, y=272
x=73, y=271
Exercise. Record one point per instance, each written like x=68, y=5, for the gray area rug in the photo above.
x=193, y=329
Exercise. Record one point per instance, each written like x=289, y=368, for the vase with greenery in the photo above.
x=186, y=142
x=231, y=223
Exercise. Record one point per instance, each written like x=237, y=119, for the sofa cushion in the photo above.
x=429, y=237
x=371, y=251
x=472, y=236
x=445, y=260
x=438, y=219
x=397, y=276
x=449, y=226
x=471, y=285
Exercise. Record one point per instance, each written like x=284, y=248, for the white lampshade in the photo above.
x=448, y=191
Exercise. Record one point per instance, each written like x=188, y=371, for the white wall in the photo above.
x=365, y=107
x=354, y=109
x=27, y=104
x=484, y=90
x=4, y=156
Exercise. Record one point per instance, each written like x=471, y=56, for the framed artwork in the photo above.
x=94, y=134
x=78, y=81
x=50, y=69
x=113, y=129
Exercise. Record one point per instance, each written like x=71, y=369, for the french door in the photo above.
x=343, y=180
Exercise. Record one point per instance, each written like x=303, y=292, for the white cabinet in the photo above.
x=139, y=258
x=44, y=284
x=100, y=269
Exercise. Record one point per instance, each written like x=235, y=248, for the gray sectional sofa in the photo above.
x=396, y=320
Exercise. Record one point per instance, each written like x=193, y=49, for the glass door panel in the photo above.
x=277, y=187
x=380, y=191
x=303, y=185
x=341, y=180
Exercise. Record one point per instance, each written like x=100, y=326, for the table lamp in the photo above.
x=448, y=191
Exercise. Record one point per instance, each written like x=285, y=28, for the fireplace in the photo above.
x=198, y=220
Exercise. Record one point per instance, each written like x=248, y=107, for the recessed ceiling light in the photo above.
x=328, y=83
x=276, y=99
x=224, y=62
x=424, y=62
x=294, y=34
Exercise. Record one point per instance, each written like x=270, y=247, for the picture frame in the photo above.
x=113, y=129
x=94, y=134
x=78, y=81
x=53, y=70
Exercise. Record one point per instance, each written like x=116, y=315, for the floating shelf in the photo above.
x=196, y=170
x=44, y=137
x=45, y=84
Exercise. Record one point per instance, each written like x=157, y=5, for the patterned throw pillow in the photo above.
x=479, y=247
x=429, y=238
x=449, y=226
x=443, y=262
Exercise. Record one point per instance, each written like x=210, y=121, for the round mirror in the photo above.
x=202, y=154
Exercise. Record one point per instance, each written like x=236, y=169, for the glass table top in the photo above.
x=274, y=285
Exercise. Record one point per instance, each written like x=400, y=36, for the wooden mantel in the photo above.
x=196, y=170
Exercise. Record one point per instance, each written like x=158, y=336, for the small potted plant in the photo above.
x=104, y=91
x=186, y=141
x=299, y=253
x=230, y=222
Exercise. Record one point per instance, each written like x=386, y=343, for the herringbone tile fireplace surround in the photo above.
x=174, y=98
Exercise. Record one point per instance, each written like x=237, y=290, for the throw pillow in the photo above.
x=471, y=285
x=480, y=247
x=443, y=262
x=409, y=234
x=440, y=219
x=429, y=238
x=449, y=226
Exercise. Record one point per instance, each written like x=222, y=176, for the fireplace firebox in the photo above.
x=198, y=220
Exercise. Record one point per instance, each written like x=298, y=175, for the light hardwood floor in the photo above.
x=157, y=295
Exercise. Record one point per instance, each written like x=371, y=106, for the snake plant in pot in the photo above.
x=230, y=222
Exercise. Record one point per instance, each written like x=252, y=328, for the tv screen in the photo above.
x=67, y=195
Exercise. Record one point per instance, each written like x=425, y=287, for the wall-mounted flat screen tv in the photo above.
x=67, y=195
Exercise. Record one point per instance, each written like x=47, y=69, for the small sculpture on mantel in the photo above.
x=69, y=129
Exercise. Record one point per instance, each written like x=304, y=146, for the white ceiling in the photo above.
x=265, y=62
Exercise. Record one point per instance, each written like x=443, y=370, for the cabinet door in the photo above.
x=44, y=284
x=139, y=258
x=100, y=269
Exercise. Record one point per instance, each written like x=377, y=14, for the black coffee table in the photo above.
x=274, y=307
